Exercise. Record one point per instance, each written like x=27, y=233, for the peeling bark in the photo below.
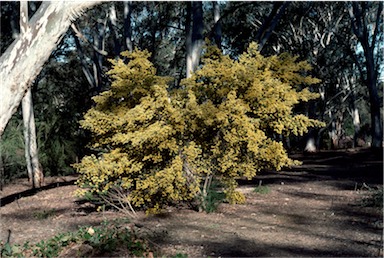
x=25, y=57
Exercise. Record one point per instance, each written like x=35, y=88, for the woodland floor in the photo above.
x=311, y=210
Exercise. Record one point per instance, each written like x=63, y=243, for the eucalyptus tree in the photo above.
x=24, y=58
x=35, y=174
x=367, y=26
x=320, y=32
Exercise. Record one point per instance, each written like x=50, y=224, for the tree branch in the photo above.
x=25, y=57
x=81, y=36
x=379, y=17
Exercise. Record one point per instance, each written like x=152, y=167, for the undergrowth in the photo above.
x=261, y=189
x=374, y=198
x=103, y=239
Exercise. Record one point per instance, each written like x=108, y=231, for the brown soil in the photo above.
x=311, y=210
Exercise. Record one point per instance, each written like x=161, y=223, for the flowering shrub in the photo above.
x=166, y=146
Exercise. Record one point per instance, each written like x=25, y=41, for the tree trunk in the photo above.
x=311, y=138
x=361, y=28
x=87, y=73
x=35, y=173
x=113, y=28
x=217, y=30
x=374, y=100
x=127, y=25
x=2, y=174
x=310, y=145
x=195, y=37
x=270, y=24
x=99, y=43
x=25, y=57
x=354, y=110
x=356, y=125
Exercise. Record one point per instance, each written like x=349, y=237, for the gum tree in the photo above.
x=25, y=57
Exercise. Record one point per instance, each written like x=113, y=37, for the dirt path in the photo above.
x=311, y=210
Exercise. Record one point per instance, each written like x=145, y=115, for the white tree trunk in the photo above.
x=35, y=173
x=2, y=174
x=25, y=57
x=310, y=145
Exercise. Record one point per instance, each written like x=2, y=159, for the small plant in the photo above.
x=7, y=250
x=40, y=215
x=374, y=198
x=211, y=196
x=102, y=239
x=212, y=200
x=261, y=189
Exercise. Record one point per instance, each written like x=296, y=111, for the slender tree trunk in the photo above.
x=361, y=27
x=127, y=25
x=35, y=173
x=154, y=28
x=332, y=131
x=113, y=27
x=188, y=39
x=376, y=126
x=2, y=174
x=25, y=57
x=99, y=43
x=217, y=29
x=311, y=138
x=356, y=125
x=87, y=73
x=310, y=145
x=195, y=37
x=354, y=110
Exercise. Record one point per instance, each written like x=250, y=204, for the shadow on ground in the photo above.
x=347, y=169
x=30, y=192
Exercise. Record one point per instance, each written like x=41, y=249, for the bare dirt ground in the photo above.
x=311, y=210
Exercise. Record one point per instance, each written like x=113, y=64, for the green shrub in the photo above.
x=374, y=198
x=261, y=189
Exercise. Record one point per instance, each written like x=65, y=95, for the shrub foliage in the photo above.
x=167, y=145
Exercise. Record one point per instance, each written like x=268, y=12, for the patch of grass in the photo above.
x=45, y=214
x=262, y=189
x=374, y=198
x=104, y=239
